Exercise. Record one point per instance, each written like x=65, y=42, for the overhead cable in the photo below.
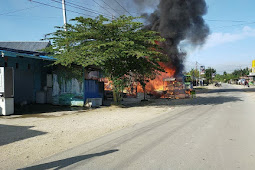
x=123, y=7
x=18, y=10
x=103, y=7
x=110, y=7
x=59, y=8
x=79, y=7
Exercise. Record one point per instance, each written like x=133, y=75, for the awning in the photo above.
x=251, y=75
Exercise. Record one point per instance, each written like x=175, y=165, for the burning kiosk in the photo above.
x=175, y=88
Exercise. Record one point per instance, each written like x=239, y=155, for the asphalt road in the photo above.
x=216, y=131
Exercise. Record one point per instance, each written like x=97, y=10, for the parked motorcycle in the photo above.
x=218, y=84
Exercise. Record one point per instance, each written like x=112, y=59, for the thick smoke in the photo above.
x=177, y=20
x=142, y=4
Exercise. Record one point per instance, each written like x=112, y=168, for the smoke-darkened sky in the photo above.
x=177, y=21
x=229, y=45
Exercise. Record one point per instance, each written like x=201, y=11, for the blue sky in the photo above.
x=230, y=44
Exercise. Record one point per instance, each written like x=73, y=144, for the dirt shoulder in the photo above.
x=29, y=138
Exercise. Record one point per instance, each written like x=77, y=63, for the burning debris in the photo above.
x=157, y=84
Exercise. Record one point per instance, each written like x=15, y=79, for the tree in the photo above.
x=241, y=72
x=236, y=74
x=225, y=73
x=119, y=47
x=209, y=74
x=146, y=72
x=194, y=73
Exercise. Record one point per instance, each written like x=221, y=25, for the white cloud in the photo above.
x=216, y=39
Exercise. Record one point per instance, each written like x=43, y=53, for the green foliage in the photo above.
x=209, y=74
x=219, y=77
x=188, y=78
x=68, y=72
x=236, y=74
x=119, y=84
x=118, y=47
x=241, y=72
x=194, y=73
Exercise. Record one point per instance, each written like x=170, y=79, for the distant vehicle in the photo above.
x=218, y=84
x=241, y=81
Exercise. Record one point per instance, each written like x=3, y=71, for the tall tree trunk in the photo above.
x=115, y=92
x=115, y=97
x=144, y=93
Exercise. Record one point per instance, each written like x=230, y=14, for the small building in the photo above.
x=82, y=86
x=252, y=77
x=30, y=71
x=252, y=73
x=37, y=81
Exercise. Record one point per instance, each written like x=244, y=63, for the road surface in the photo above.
x=216, y=131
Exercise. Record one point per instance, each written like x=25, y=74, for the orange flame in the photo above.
x=153, y=85
x=107, y=83
x=157, y=84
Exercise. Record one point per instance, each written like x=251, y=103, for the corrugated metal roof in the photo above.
x=33, y=46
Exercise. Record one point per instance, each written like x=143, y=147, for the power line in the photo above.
x=242, y=22
x=236, y=21
x=110, y=7
x=222, y=65
x=34, y=18
x=83, y=8
x=217, y=20
x=102, y=7
x=79, y=7
x=94, y=5
x=19, y=10
x=58, y=8
x=19, y=16
x=53, y=6
x=237, y=25
x=123, y=8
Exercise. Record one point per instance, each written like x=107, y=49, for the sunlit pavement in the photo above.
x=218, y=133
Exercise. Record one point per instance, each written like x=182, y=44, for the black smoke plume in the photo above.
x=175, y=20
x=178, y=20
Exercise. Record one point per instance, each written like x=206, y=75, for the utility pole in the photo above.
x=241, y=72
x=198, y=73
x=211, y=73
x=64, y=13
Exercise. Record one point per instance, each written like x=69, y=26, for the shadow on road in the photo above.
x=184, y=102
x=69, y=161
x=231, y=90
x=10, y=134
x=200, y=101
